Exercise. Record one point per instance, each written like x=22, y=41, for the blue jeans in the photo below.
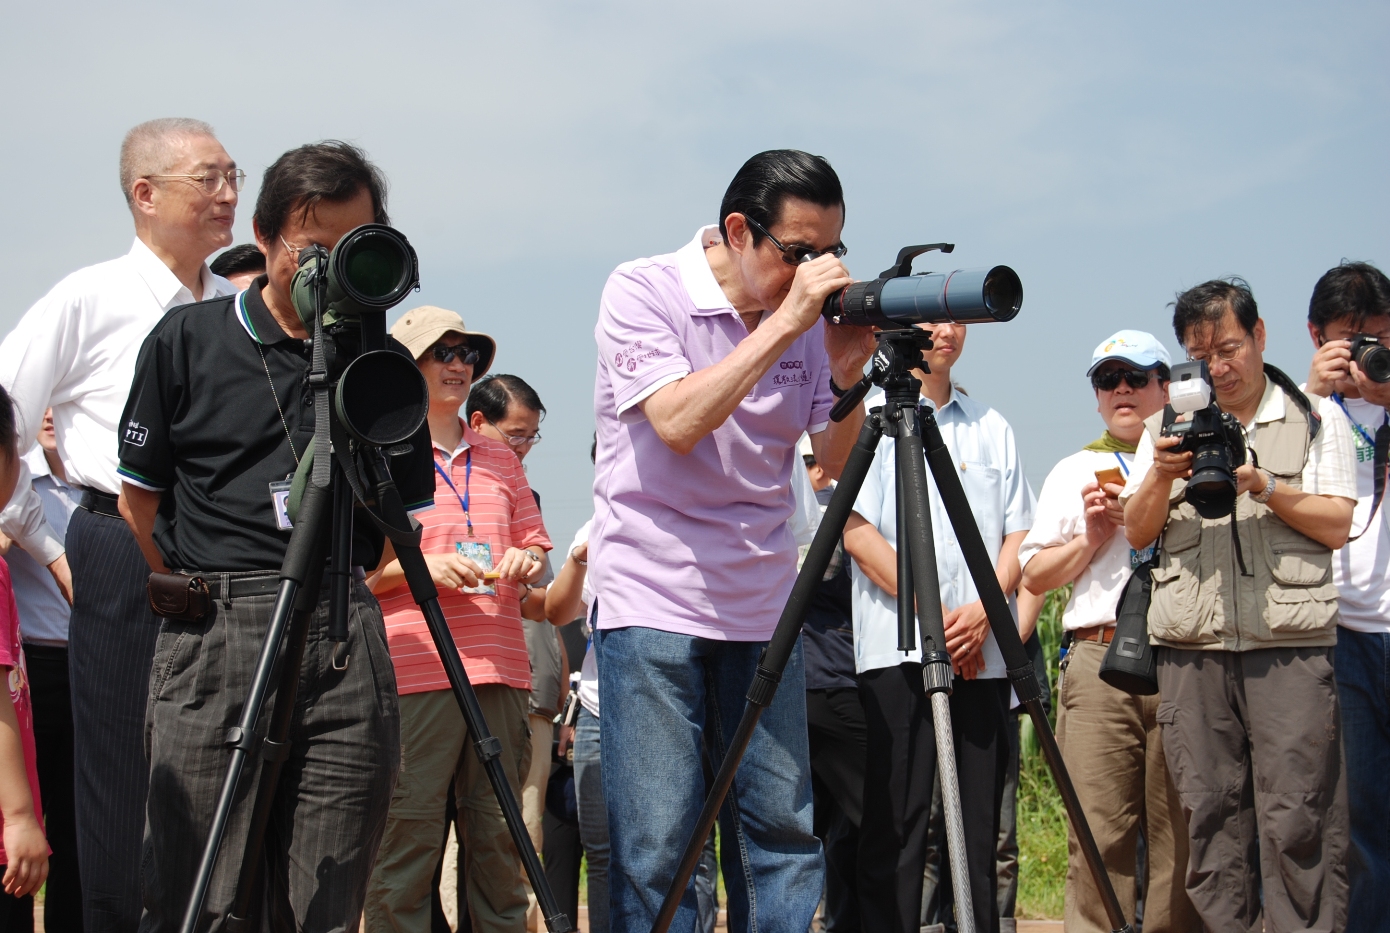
x=593, y=816
x=1363, y=686
x=665, y=699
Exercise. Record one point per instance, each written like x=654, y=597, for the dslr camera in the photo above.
x=1372, y=356
x=1214, y=437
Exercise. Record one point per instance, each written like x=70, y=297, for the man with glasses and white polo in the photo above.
x=75, y=351
x=1244, y=616
x=1109, y=739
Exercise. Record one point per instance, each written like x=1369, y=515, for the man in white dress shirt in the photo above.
x=900, y=759
x=75, y=351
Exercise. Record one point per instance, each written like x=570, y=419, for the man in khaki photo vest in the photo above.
x=1244, y=614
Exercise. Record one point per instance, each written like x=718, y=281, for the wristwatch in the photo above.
x=1262, y=497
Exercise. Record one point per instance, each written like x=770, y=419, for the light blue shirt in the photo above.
x=986, y=459
x=43, y=612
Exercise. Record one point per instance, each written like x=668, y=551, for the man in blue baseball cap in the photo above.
x=1110, y=739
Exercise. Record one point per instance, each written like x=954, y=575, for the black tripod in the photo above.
x=899, y=352
x=349, y=467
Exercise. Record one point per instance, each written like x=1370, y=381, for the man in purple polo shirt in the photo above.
x=712, y=362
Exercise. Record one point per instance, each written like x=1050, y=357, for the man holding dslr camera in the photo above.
x=219, y=415
x=1349, y=303
x=1244, y=614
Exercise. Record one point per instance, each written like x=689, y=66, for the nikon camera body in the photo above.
x=1214, y=437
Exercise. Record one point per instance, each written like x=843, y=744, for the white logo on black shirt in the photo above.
x=135, y=433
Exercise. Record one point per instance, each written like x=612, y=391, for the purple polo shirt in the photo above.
x=695, y=544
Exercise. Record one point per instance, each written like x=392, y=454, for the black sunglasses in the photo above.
x=796, y=255
x=1109, y=379
x=447, y=354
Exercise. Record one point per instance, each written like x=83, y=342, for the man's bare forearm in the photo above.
x=138, y=507
x=1058, y=565
x=687, y=410
x=1325, y=519
x=1146, y=512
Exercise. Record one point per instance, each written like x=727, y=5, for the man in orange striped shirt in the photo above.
x=484, y=518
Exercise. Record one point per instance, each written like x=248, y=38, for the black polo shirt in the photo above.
x=202, y=425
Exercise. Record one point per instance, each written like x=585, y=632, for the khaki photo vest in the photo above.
x=1286, y=598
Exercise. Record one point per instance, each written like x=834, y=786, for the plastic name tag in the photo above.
x=280, y=503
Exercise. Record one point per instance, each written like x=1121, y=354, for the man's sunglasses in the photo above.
x=1107, y=380
x=447, y=354
x=796, y=255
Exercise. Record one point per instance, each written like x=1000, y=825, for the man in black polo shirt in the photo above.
x=219, y=410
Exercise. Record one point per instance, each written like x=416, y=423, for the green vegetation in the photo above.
x=1042, y=820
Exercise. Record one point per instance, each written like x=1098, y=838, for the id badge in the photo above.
x=481, y=553
x=280, y=503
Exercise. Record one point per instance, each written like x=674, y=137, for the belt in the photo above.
x=240, y=587
x=1101, y=633
x=100, y=503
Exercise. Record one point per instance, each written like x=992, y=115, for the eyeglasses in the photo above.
x=1108, y=380
x=443, y=353
x=796, y=255
x=1226, y=352
x=212, y=181
x=520, y=440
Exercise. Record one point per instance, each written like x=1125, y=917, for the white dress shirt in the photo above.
x=75, y=351
x=986, y=458
x=43, y=612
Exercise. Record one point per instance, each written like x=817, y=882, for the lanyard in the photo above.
x=1356, y=425
x=467, y=476
x=1123, y=466
x=1381, y=446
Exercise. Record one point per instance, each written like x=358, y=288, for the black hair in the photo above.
x=1208, y=303
x=331, y=170
x=1356, y=290
x=1164, y=373
x=765, y=181
x=494, y=394
x=9, y=441
x=242, y=258
x=593, y=449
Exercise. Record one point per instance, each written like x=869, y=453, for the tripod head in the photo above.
x=899, y=353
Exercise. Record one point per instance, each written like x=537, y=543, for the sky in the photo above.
x=1113, y=154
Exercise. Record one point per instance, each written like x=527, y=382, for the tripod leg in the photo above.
x=486, y=745
x=775, y=656
x=1020, y=669
x=915, y=530
x=304, y=554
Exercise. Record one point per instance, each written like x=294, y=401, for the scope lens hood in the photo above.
x=382, y=399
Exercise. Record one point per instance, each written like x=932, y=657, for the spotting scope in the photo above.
x=898, y=299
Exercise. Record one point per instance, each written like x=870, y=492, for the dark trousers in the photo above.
x=1363, y=687
x=334, y=791
x=835, y=724
x=52, y=699
x=900, y=765
x=110, y=646
x=17, y=913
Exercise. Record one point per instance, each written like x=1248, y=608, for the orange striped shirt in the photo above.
x=486, y=628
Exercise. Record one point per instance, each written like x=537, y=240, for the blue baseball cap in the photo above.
x=1135, y=347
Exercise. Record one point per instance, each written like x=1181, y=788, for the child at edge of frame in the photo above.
x=23, y=848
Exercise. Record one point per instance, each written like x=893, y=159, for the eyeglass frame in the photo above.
x=1225, y=356
x=238, y=174
x=516, y=440
x=808, y=254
